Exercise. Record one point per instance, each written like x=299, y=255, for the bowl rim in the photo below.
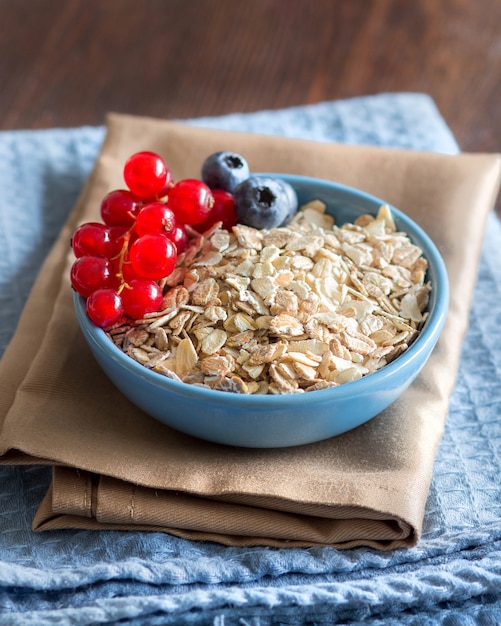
x=363, y=386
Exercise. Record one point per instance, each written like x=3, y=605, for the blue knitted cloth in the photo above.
x=79, y=577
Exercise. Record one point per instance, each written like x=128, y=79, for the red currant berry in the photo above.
x=119, y=240
x=90, y=273
x=104, y=307
x=121, y=272
x=115, y=273
x=153, y=256
x=93, y=239
x=117, y=232
x=140, y=297
x=191, y=200
x=120, y=208
x=180, y=238
x=169, y=183
x=222, y=211
x=145, y=174
x=128, y=273
x=154, y=219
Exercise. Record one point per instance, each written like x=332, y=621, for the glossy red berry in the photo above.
x=120, y=208
x=191, y=200
x=90, y=273
x=94, y=239
x=154, y=219
x=222, y=211
x=105, y=308
x=153, y=256
x=180, y=238
x=161, y=195
x=126, y=273
x=169, y=183
x=118, y=234
x=145, y=174
x=140, y=297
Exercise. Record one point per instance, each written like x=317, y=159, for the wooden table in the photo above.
x=68, y=62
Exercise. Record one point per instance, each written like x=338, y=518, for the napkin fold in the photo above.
x=115, y=467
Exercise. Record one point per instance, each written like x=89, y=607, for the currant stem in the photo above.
x=121, y=260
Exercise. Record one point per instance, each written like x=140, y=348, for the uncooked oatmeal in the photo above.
x=298, y=308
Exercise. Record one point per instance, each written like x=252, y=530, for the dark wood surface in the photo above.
x=68, y=62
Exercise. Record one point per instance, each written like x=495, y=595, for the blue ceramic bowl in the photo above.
x=293, y=419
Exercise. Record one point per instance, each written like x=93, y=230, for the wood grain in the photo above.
x=68, y=62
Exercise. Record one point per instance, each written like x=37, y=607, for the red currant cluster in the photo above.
x=121, y=263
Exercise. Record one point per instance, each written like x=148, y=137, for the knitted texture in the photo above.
x=146, y=579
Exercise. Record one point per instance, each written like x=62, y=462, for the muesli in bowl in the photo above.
x=287, y=334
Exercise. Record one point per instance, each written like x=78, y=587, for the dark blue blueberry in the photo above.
x=224, y=170
x=265, y=202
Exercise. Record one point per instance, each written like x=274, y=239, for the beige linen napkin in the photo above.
x=114, y=467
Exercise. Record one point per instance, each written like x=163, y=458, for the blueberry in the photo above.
x=224, y=170
x=264, y=202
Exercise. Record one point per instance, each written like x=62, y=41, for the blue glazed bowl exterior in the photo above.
x=292, y=419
